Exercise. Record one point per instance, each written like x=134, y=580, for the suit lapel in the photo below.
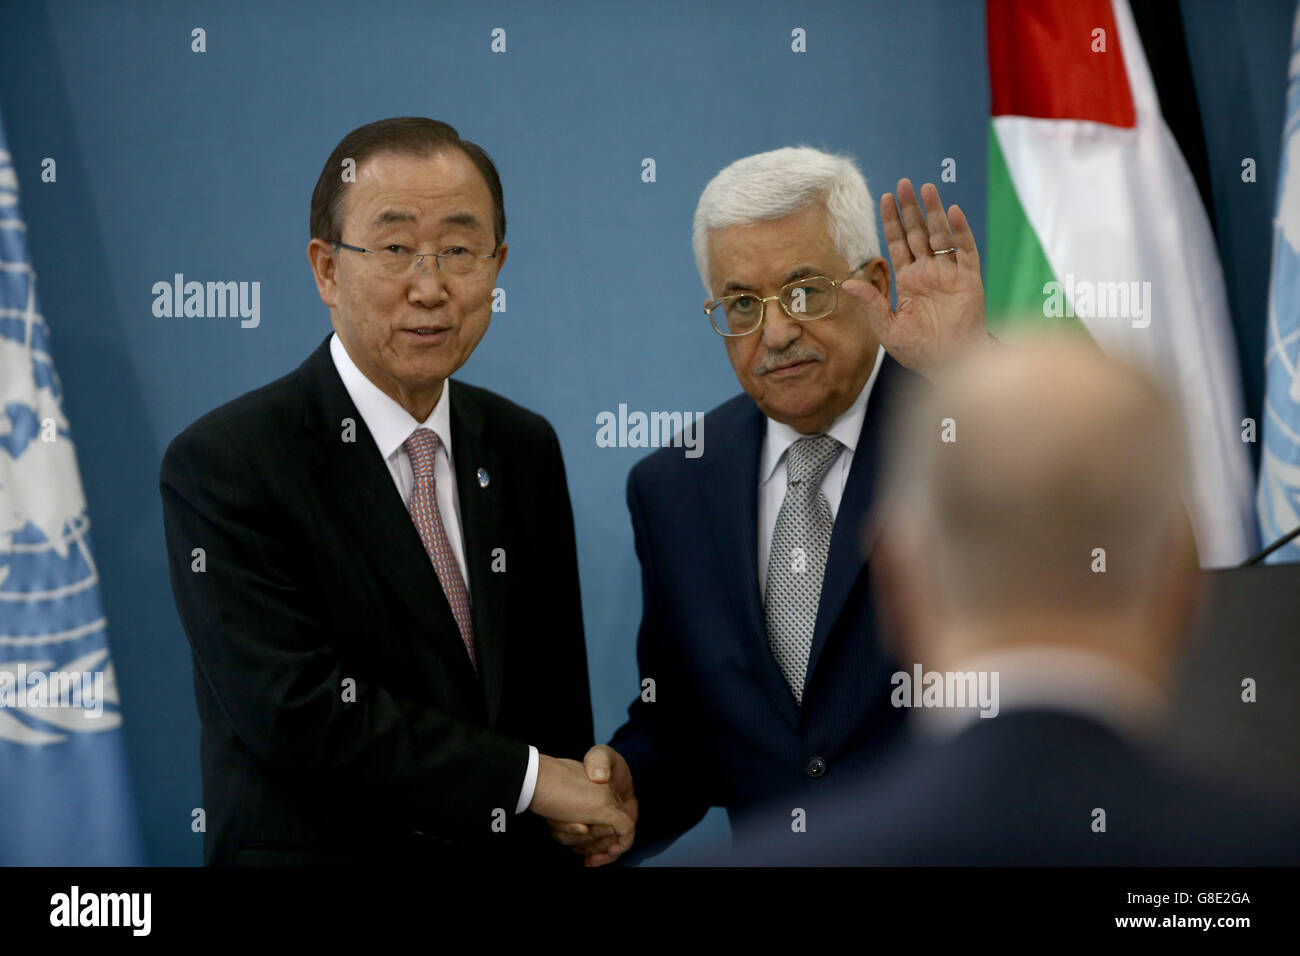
x=482, y=515
x=731, y=490
x=357, y=483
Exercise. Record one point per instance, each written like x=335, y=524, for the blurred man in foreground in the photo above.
x=1033, y=559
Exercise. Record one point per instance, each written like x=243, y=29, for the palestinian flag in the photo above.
x=1098, y=221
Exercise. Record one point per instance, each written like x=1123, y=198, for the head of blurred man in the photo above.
x=1006, y=488
x=765, y=223
x=389, y=190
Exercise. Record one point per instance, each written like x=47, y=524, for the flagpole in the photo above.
x=1280, y=542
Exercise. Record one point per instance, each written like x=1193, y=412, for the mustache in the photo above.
x=794, y=353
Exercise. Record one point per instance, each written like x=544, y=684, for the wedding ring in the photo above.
x=944, y=252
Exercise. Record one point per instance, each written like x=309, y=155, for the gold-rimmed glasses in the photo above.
x=807, y=300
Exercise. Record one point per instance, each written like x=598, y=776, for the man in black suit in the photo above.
x=765, y=679
x=1035, y=572
x=375, y=565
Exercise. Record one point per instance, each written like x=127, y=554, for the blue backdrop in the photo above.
x=174, y=161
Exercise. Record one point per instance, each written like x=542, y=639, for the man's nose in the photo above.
x=779, y=330
x=428, y=282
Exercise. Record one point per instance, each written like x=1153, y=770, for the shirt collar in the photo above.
x=846, y=429
x=389, y=422
x=1057, y=678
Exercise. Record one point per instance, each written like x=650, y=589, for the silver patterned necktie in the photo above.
x=797, y=561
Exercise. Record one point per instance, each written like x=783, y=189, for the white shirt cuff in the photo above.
x=530, y=781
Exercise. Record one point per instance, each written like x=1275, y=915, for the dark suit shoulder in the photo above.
x=723, y=426
x=1021, y=789
x=249, y=420
x=506, y=418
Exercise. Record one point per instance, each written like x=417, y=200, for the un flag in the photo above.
x=65, y=797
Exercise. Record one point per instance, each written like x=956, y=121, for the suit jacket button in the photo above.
x=816, y=767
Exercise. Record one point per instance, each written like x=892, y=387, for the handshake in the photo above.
x=590, y=806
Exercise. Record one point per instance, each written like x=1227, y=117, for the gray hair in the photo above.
x=781, y=182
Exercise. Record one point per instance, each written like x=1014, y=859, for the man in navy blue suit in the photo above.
x=1034, y=572
x=762, y=676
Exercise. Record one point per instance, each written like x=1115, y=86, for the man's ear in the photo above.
x=877, y=273
x=323, y=265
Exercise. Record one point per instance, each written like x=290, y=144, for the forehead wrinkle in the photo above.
x=772, y=241
x=388, y=217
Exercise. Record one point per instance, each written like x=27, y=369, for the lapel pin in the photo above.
x=482, y=478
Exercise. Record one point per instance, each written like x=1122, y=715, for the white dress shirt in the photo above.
x=772, y=472
x=391, y=425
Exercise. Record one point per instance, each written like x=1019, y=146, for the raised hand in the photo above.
x=600, y=844
x=940, y=297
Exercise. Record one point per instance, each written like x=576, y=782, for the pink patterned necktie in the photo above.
x=422, y=447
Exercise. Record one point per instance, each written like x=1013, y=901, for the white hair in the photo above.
x=781, y=182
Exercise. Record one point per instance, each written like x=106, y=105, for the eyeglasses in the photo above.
x=394, y=261
x=804, y=299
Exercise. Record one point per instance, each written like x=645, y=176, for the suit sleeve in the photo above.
x=571, y=733
x=267, y=654
x=666, y=741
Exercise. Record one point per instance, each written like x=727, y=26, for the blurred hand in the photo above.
x=600, y=844
x=566, y=791
x=940, y=297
